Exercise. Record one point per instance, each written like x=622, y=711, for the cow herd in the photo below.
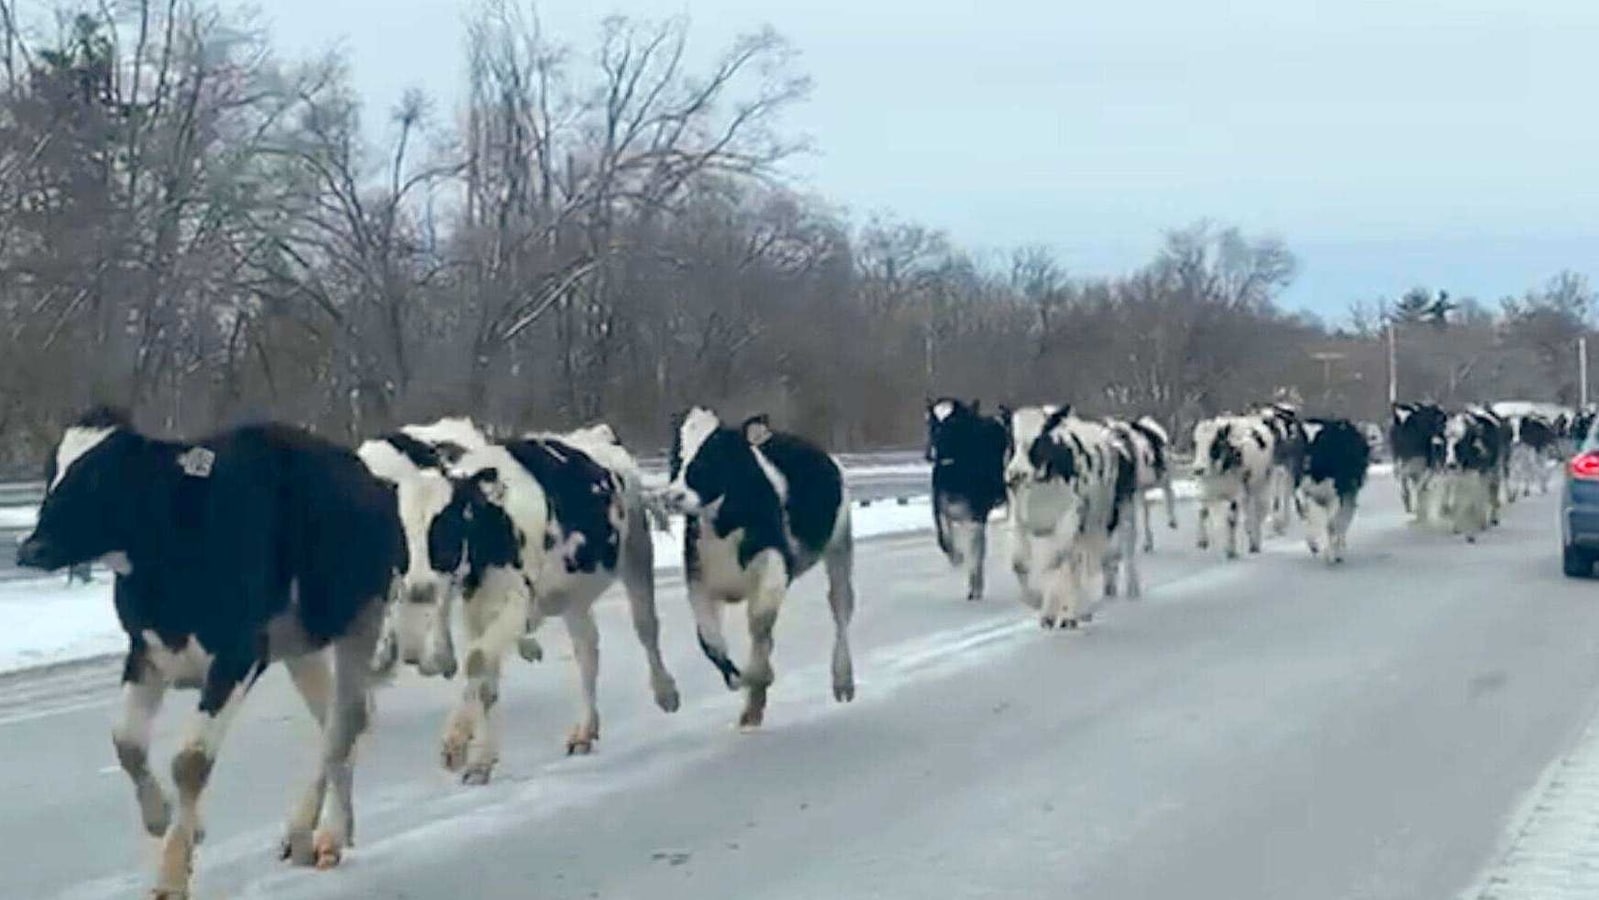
x=1458, y=468
x=266, y=543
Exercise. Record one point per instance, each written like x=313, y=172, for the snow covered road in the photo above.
x=1266, y=728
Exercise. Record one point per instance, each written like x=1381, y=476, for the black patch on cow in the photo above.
x=1537, y=434
x=279, y=513
x=473, y=531
x=421, y=454
x=581, y=494
x=1224, y=455
x=1126, y=484
x=1338, y=453
x=1157, y=444
x=1419, y=435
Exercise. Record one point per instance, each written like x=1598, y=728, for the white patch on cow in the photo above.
x=779, y=483
x=1311, y=430
x=74, y=444
x=117, y=562
x=697, y=428
x=943, y=409
x=196, y=462
x=1402, y=414
x=183, y=668
x=460, y=431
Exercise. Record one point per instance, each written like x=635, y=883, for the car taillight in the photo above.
x=1585, y=466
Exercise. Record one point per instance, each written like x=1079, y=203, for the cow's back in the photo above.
x=815, y=488
x=337, y=527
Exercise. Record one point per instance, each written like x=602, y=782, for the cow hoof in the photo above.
x=297, y=848
x=666, y=697
x=1203, y=545
x=1254, y=548
x=326, y=851
x=582, y=740
x=1471, y=539
x=974, y=596
x=844, y=692
x=478, y=774
x=751, y=719
x=530, y=649
x=1046, y=622
x=1071, y=624
x=168, y=894
x=453, y=752
x=1232, y=554
x=157, y=820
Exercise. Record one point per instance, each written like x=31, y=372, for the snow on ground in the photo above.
x=44, y=621
x=18, y=517
x=1553, y=853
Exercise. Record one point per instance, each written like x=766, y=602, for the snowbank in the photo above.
x=44, y=621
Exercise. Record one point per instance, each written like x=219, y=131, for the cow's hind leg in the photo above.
x=349, y=716
x=638, y=580
x=975, y=563
x=142, y=691
x=579, y=618
x=313, y=679
x=1148, y=507
x=1135, y=580
x=840, y=562
x=1203, y=526
x=1232, y=528
x=227, y=682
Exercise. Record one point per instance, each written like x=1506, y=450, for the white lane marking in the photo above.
x=1552, y=851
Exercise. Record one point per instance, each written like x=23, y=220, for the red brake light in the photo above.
x=1585, y=466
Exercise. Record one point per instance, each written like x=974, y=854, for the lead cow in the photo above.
x=254, y=545
x=761, y=508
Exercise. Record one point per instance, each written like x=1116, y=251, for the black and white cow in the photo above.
x=1071, y=483
x=1287, y=459
x=257, y=544
x=1151, y=450
x=1234, y=463
x=416, y=460
x=537, y=527
x=967, y=450
x=761, y=507
x=1500, y=436
x=1416, y=443
x=1473, y=449
x=1535, y=444
x=1336, y=460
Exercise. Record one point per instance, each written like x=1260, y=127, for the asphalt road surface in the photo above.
x=1265, y=728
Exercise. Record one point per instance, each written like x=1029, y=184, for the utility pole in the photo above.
x=1582, y=369
x=1393, y=369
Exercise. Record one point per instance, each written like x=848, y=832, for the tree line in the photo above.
x=206, y=232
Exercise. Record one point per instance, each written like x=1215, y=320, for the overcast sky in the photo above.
x=1390, y=142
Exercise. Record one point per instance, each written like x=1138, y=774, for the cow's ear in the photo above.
x=977, y=406
x=757, y=430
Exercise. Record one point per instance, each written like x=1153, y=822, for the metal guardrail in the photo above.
x=22, y=493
